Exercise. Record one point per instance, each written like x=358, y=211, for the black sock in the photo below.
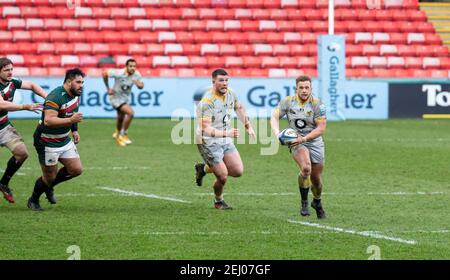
x=62, y=176
x=317, y=201
x=11, y=168
x=39, y=188
x=304, y=193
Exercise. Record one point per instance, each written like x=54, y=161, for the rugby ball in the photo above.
x=287, y=136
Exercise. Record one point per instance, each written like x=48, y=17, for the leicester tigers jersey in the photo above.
x=302, y=115
x=58, y=100
x=7, y=91
x=218, y=109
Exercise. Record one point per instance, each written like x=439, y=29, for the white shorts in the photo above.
x=52, y=155
x=10, y=138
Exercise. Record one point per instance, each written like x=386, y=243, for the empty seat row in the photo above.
x=218, y=13
x=354, y=4
x=177, y=61
x=208, y=49
x=213, y=25
x=242, y=72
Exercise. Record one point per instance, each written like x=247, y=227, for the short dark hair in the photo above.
x=4, y=61
x=303, y=78
x=218, y=72
x=129, y=61
x=72, y=73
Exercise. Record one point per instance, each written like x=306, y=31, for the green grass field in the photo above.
x=382, y=178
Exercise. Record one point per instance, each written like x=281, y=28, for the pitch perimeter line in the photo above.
x=354, y=232
x=144, y=195
x=325, y=193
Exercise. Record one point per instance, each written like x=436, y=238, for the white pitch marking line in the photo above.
x=362, y=233
x=334, y=193
x=144, y=195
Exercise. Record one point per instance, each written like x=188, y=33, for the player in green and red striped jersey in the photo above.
x=52, y=141
x=9, y=137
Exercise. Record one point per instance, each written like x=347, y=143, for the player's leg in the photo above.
x=129, y=114
x=317, y=158
x=221, y=172
x=203, y=168
x=42, y=184
x=119, y=123
x=19, y=152
x=233, y=161
x=71, y=168
x=301, y=156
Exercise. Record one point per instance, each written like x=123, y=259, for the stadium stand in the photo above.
x=271, y=38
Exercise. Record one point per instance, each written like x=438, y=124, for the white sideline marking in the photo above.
x=362, y=140
x=333, y=193
x=144, y=195
x=362, y=233
x=103, y=168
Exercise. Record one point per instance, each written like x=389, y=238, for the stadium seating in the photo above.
x=272, y=38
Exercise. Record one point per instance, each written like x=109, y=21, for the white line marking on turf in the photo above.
x=144, y=195
x=325, y=193
x=350, y=231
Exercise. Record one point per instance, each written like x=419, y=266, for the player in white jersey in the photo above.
x=215, y=133
x=307, y=115
x=124, y=79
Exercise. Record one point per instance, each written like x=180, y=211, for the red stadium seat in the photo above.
x=413, y=62
x=227, y=49
x=180, y=61
x=234, y=61
x=186, y=72
x=221, y=37
x=215, y=62
x=288, y=62
x=83, y=12
x=155, y=49
x=39, y=36
x=425, y=27
x=184, y=37
x=252, y=62
x=432, y=39
x=299, y=50
x=173, y=49
x=270, y=62
x=29, y=12
x=260, y=14
x=88, y=61
x=21, y=36
x=398, y=38
x=406, y=50
x=64, y=48
x=148, y=37
x=101, y=12
x=82, y=48
x=198, y=61
x=38, y=71
x=202, y=37
x=191, y=49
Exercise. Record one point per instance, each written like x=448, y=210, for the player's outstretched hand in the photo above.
x=34, y=107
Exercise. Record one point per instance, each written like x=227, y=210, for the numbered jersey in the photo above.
x=7, y=91
x=217, y=109
x=302, y=115
x=122, y=81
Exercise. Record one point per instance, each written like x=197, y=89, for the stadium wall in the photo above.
x=164, y=97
